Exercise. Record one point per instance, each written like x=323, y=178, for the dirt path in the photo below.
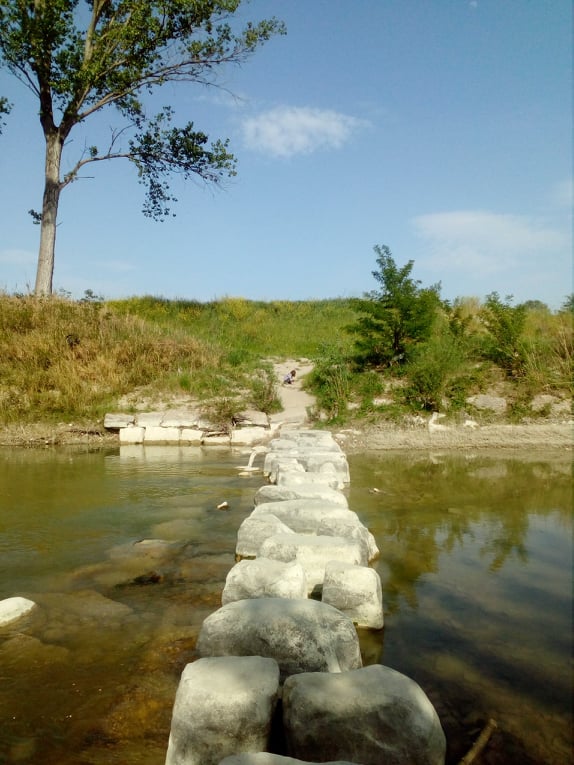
x=296, y=402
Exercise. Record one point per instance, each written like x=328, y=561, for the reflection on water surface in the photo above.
x=476, y=564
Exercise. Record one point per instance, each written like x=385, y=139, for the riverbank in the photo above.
x=381, y=437
x=418, y=433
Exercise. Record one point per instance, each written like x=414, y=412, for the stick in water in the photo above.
x=480, y=743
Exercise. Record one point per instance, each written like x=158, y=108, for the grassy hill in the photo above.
x=67, y=360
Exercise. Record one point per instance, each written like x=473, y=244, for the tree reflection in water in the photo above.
x=476, y=559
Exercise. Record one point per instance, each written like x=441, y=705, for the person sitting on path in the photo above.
x=290, y=377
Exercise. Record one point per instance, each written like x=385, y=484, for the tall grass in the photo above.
x=248, y=329
x=62, y=359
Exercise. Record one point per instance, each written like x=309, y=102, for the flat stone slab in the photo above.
x=303, y=491
x=116, y=421
x=149, y=419
x=132, y=435
x=264, y=578
x=14, y=608
x=301, y=635
x=222, y=705
x=248, y=436
x=158, y=434
x=356, y=591
x=313, y=553
x=371, y=715
x=252, y=417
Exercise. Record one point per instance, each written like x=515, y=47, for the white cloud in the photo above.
x=479, y=241
x=18, y=257
x=288, y=130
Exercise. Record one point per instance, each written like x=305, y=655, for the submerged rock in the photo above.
x=15, y=608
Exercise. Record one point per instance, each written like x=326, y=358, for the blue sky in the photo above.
x=441, y=128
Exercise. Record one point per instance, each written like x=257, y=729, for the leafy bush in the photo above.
x=397, y=318
x=264, y=392
x=434, y=367
x=505, y=324
x=330, y=382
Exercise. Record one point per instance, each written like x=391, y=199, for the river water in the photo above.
x=126, y=553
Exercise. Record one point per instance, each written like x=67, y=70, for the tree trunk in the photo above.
x=52, y=188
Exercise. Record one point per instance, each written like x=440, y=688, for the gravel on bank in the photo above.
x=507, y=436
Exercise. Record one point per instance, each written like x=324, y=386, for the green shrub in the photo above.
x=435, y=365
x=264, y=391
x=394, y=320
x=505, y=324
x=330, y=382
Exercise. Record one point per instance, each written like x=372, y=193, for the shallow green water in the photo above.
x=476, y=564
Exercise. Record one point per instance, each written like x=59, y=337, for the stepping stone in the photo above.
x=222, y=705
x=301, y=635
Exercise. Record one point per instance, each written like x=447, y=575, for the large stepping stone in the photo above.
x=373, y=715
x=304, y=515
x=254, y=531
x=356, y=591
x=302, y=491
x=292, y=477
x=313, y=553
x=301, y=635
x=309, y=460
x=350, y=528
x=222, y=705
x=305, y=439
x=264, y=578
x=264, y=758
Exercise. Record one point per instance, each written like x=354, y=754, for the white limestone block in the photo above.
x=297, y=477
x=158, y=435
x=313, y=553
x=264, y=578
x=304, y=516
x=116, y=421
x=356, y=591
x=191, y=436
x=132, y=435
x=149, y=419
x=351, y=528
x=222, y=705
x=254, y=531
x=247, y=436
x=301, y=635
x=303, y=491
x=176, y=418
x=370, y=715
